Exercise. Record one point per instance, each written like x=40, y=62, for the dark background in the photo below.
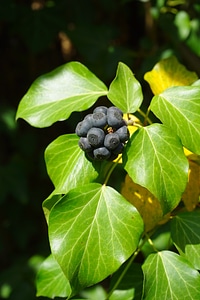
x=37, y=36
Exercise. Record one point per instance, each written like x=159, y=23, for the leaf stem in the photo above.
x=112, y=169
x=126, y=268
x=145, y=115
x=150, y=242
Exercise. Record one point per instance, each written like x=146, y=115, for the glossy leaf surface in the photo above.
x=179, y=109
x=51, y=281
x=92, y=231
x=185, y=229
x=170, y=276
x=54, y=96
x=155, y=160
x=125, y=91
x=66, y=164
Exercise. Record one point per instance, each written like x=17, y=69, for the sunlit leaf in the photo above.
x=51, y=281
x=93, y=230
x=170, y=276
x=179, y=109
x=146, y=203
x=54, y=96
x=154, y=158
x=185, y=229
x=125, y=90
x=168, y=73
x=191, y=195
x=67, y=165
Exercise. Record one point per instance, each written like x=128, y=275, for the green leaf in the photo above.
x=185, y=232
x=130, y=286
x=92, y=231
x=49, y=202
x=125, y=91
x=95, y=292
x=51, y=281
x=67, y=165
x=55, y=95
x=154, y=158
x=170, y=276
x=179, y=109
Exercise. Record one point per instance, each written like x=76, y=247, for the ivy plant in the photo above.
x=132, y=222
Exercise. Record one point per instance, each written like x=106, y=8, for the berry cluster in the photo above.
x=103, y=133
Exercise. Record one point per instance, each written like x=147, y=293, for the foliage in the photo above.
x=43, y=35
x=94, y=232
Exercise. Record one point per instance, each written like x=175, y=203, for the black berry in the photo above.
x=111, y=141
x=114, y=118
x=101, y=153
x=84, y=144
x=99, y=119
x=83, y=127
x=103, y=133
x=123, y=133
x=96, y=137
x=102, y=109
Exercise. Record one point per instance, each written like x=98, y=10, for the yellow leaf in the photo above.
x=192, y=192
x=192, y=156
x=168, y=73
x=148, y=205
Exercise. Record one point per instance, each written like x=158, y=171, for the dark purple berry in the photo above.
x=111, y=141
x=84, y=144
x=96, y=137
x=101, y=153
x=123, y=133
x=82, y=128
x=115, y=118
x=102, y=109
x=118, y=149
x=99, y=119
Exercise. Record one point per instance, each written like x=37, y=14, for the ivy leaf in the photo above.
x=54, y=96
x=125, y=91
x=51, y=281
x=67, y=165
x=168, y=73
x=154, y=158
x=49, y=202
x=92, y=231
x=185, y=228
x=179, y=109
x=170, y=276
